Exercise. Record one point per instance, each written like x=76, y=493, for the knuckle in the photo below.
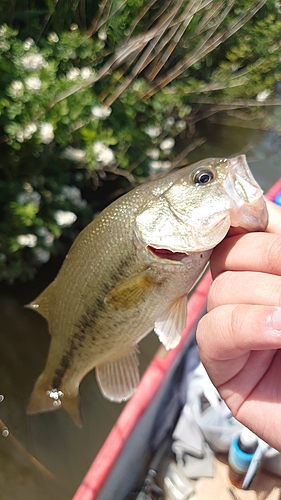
x=219, y=289
x=211, y=330
x=237, y=318
x=271, y=254
x=272, y=291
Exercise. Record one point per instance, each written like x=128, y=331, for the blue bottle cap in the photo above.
x=240, y=460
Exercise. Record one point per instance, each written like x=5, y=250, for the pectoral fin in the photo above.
x=118, y=379
x=171, y=324
x=131, y=292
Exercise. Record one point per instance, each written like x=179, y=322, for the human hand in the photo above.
x=239, y=338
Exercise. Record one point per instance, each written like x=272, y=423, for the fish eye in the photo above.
x=203, y=177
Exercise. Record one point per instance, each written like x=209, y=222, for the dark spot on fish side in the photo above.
x=59, y=373
x=85, y=326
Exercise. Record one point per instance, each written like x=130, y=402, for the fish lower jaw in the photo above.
x=251, y=217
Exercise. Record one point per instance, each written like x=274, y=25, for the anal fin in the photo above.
x=118, y=379
x=171, y=324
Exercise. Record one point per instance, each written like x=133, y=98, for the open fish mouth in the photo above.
x=190, y=217
x=164, y=253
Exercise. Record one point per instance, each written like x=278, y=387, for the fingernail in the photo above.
x=276, y=319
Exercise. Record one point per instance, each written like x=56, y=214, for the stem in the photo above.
x=16, y=448
x=204, y=48
x=179, y=159
x=153, y=41
x=176, y=33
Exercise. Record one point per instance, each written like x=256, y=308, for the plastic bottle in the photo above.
x=241, y=452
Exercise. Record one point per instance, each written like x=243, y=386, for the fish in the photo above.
x=130, y=271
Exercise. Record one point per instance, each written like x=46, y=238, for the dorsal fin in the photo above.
x=41, y=303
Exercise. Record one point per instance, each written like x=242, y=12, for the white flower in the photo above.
x=27, y=240
x=73, y=154
x=27, y=187
x=166, y=165
x=47, y=236
x=153, y=131
x=136, y=85
x=17, y=85
x=153, y=153
x=22, y=198
x=26, y=197
x=70, y=193
x=167, y=144
x=104, y=155
x=41, y=255
x=102, y=35
x=85, y=73
x=277, y=5
x=155, y=165
x=73, y=74
x=3, y=30
x=53, y=37
x=73, y=194
x=27, y=132
x=160, y=165
x=46, y=132
x=28, y=43
x=33, y=62
x=180, y=125
x=16, y=88
x=263, y=95
x=64, y=218
x=19, y=136
x=30, y=128
x=33, y=83
x=169, y=122
x=101, y=111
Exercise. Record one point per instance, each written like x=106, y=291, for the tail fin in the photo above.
x=44, y=399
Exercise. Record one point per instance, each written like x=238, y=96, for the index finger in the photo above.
x=258, y=252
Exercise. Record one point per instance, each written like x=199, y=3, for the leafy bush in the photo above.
x=107, y=99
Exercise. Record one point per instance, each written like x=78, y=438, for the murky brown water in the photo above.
x=45, y=456
x=65, y=451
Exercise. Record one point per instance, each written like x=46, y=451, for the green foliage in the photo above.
x=91, y=93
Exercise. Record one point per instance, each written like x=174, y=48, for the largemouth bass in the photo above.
x=130, y=271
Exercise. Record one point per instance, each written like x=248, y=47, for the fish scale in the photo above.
x=130, y=270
